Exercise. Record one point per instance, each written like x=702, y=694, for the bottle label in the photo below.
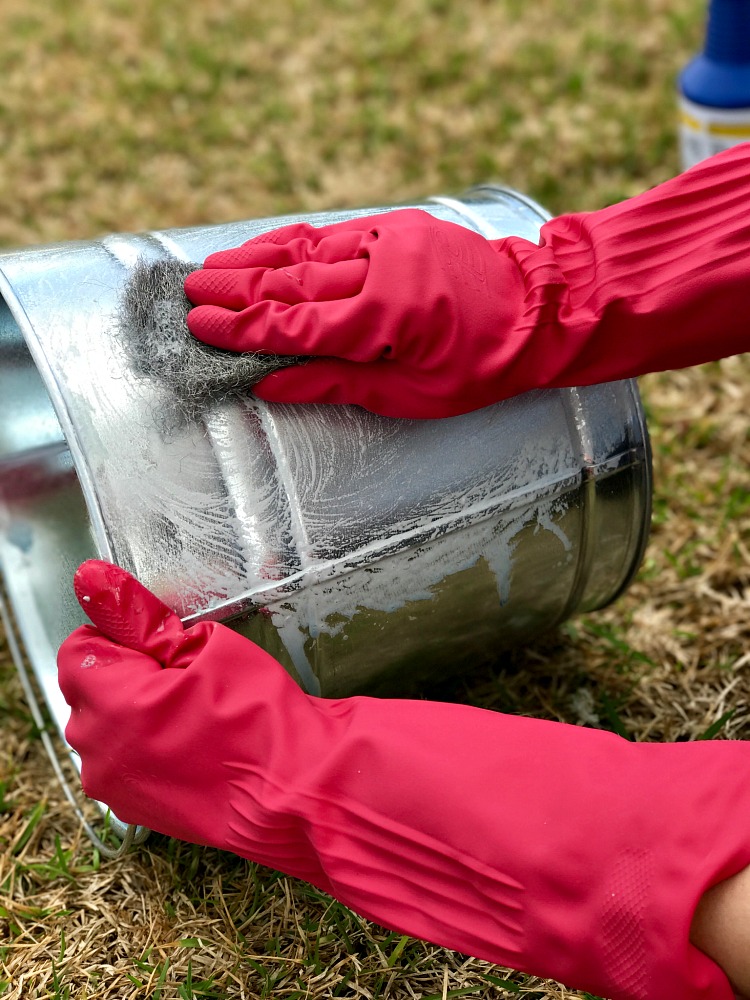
x=705, y=131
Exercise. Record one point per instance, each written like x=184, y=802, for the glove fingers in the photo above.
x=294, y=244
x=315, y=282
x=382, y=387
x=272, y=249
x=233, y=288
x=333, y=245
x=331, y=329
x=126, y=612
x=306, y=282
x=335, y=381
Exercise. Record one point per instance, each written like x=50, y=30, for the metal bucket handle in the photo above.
x=130, y=834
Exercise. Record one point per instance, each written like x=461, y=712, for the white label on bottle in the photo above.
x=705, y=131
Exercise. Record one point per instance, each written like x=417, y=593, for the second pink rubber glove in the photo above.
x=409, y=316
x=562, y=851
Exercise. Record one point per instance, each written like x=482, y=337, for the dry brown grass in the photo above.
x=154, y=113
x=148, y=115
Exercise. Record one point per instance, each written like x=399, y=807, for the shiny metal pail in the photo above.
x=363, y=552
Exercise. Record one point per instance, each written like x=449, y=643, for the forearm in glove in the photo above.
x=554, y=849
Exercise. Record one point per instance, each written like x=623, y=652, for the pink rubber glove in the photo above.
x=562, y=851
x=414, y=317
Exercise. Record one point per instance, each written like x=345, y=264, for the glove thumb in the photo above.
x=127, y=613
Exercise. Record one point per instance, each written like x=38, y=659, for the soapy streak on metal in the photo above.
x=315, y=570
x=576, y=418
x=312, y=619
x=497, y=547
x=322, y=570
x=328, y=569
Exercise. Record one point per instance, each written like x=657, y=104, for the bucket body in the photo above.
x=365, y=553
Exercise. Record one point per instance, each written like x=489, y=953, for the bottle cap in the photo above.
x=720, y=76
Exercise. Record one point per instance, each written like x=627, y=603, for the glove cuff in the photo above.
x=656, y=282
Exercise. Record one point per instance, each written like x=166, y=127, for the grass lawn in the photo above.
x=120, y=115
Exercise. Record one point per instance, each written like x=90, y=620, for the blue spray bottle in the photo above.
x=715, y=86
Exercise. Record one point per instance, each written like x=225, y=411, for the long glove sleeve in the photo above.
x=657, y=282
x=554, y=849
x=413, y=317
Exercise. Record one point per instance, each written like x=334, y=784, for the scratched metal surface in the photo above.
x=364, y=552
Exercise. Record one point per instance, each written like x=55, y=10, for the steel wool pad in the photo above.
x=152, y=323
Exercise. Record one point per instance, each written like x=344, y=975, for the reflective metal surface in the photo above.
x=365, y=553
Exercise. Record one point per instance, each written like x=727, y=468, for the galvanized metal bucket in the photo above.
x=363, y=552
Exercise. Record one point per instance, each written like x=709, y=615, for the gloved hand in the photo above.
x=409, y=316
x=403, y=305
x=566, y=852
